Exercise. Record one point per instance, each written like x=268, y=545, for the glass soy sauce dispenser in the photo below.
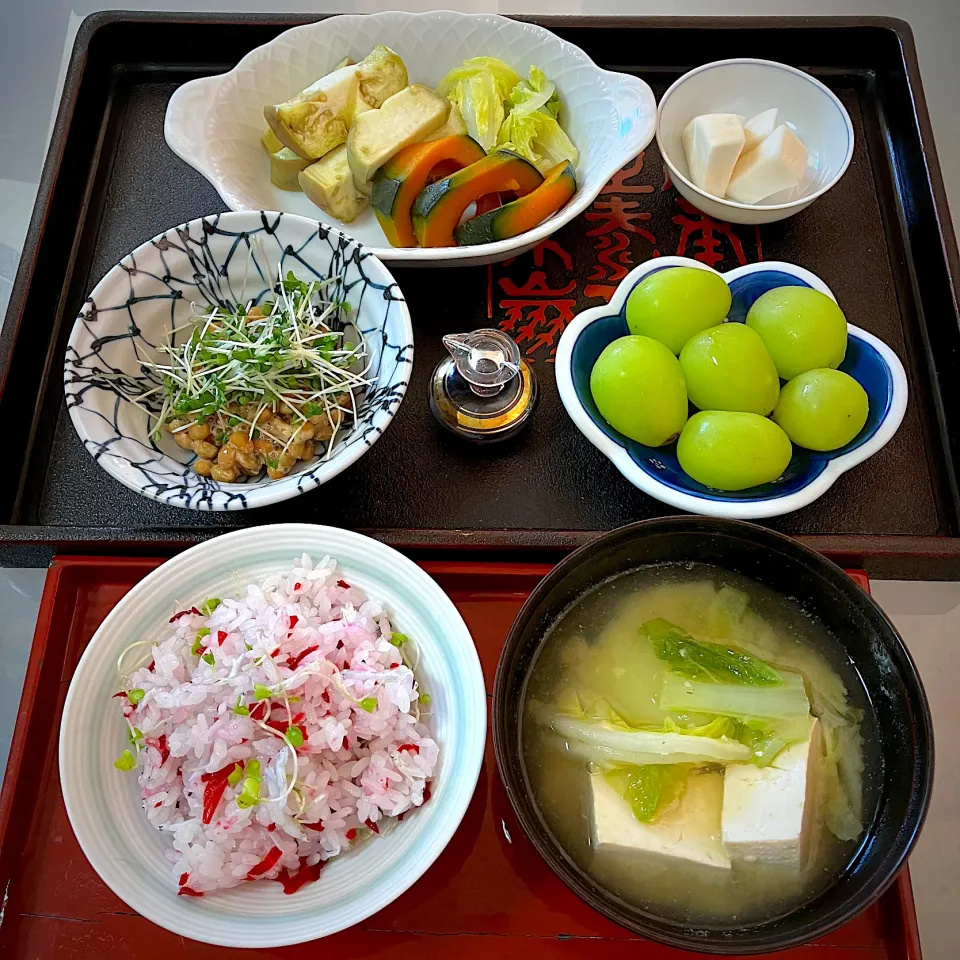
x=484, y=391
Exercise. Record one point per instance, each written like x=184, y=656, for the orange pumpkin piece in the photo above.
x=399, y=181
x=512, y=219
x=487, y=203
x=440, y=205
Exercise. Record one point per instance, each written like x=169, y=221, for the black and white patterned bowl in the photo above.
x=225, y=259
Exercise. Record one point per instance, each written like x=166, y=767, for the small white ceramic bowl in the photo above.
x=748, y=87
x=104, y=805
x=225, y=259
x=656, y=470
x=215, y=123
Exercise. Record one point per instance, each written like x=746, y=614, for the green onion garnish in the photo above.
x=197, y=644
x=295, y=736
x=250, y=791
x=286, y=356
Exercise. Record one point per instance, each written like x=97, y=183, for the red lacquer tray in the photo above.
x=488, y=895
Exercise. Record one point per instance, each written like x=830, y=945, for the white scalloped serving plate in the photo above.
x=215, y=123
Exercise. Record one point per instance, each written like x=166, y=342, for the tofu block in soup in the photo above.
x=699, y=745
x=686, y=833
x=768, y=812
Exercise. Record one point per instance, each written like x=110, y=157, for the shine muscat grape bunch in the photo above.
x=758, y=387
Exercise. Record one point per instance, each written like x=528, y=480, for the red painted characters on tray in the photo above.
x=535, y=311
x=617, y=223
x=701, y=237
x=534, y=297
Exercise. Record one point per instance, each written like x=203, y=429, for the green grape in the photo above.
x=730, y=450
x=638, y=388
x=729, y=368
x=673, y=304
x=802, y=328
x=822, y=409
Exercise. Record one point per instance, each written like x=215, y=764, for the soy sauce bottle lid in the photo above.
x=487, y=359
x=484, y=391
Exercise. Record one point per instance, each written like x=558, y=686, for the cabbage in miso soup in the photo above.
x=696, y=743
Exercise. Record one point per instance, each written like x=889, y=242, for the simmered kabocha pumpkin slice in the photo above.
x=440, y=206
x=398, y=182
x=512, y=219
x=487, y=203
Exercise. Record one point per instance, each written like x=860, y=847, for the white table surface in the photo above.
x=35, y=44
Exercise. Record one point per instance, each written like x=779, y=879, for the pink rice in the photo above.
x=359, y=766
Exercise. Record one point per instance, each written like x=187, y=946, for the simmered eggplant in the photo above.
x=329, y=184
x=318, y=118
x=404, y=118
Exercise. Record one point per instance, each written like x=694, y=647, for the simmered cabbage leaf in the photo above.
x=479, y=87
x=535, y=92
x=505, y=77
x=610, y=742
x=532, y=125
x=708, y=662
x=730, y=616
x=537, y=137
x=842, y=774
x=619, y=669
x=787, y=701
x=649, y=789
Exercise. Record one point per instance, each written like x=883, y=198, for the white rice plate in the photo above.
x=358, y=757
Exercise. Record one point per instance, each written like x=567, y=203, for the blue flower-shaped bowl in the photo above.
x=656, y=470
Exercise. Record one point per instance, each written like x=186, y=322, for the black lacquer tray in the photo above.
x=882, y=240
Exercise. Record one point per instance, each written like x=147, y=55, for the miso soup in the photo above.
x=700, y=745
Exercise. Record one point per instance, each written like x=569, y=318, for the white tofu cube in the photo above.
x=768, y=812
x=777, y=164
x=688, y=832
x=758, y=128
x=712, y=142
